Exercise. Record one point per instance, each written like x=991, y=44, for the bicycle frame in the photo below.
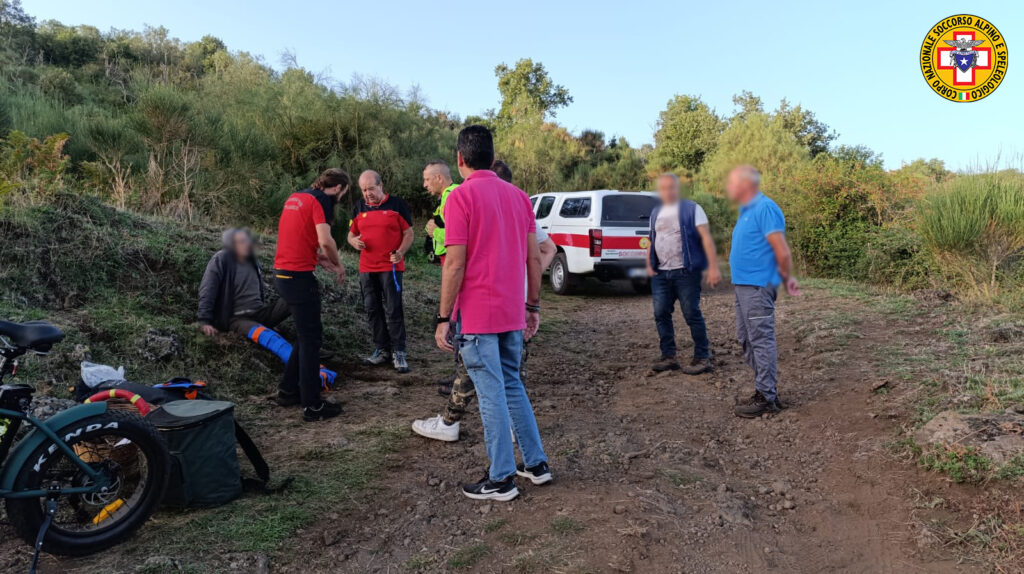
x=98, y=479
x=15, y=418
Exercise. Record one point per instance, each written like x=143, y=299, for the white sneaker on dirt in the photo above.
x=436, y=429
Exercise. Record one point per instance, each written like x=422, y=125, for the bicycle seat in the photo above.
x=35, y=335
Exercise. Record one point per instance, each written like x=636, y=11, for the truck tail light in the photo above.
x=596, y=242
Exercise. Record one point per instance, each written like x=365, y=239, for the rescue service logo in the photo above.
x=964, y=58
x=644, y=243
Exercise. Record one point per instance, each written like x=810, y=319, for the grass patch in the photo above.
x=516, y=538
x=962, y=465
x=467, y=556
x=495, y=525
x=680, y=479
x=564, y=525
x=1012, y=470
x=420, y=562
x=262, y=523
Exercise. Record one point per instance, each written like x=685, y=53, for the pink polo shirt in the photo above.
x=492, y=219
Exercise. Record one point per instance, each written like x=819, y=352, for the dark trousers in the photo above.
x=302, y=373
x=383, y=304
x=270, y=316
x=681, y=285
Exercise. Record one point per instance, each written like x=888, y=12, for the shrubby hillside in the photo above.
x=200, y=134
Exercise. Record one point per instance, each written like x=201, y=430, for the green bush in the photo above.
x=895, y=256
x=757, y=140
x=831, y=210
x=721, y=217
x=974, y=227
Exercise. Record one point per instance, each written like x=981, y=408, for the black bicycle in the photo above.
x=84, y=480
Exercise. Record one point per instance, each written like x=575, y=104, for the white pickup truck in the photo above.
x=603, y=234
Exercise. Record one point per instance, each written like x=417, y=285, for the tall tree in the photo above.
x=812, y=133
x=746, y=103
x=16, y=31
x=687, y=133
x=757, y=140
x=526, y=89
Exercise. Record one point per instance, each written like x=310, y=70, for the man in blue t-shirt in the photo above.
x=759, y=261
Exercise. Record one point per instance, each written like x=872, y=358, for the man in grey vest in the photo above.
x=681, y=249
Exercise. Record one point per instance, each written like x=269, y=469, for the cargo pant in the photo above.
x=755, y=329
x=463, y=390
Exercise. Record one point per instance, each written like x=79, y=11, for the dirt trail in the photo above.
x=654, y=474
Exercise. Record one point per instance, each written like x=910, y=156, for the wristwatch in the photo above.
x=439, y=319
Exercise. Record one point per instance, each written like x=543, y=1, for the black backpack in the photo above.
x=201, y=436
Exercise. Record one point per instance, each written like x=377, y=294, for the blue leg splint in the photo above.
x=275, y=343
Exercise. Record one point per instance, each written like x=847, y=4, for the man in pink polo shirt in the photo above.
x=490, y=235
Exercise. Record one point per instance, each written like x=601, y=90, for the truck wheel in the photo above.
x=642, y=286
x=562, y=282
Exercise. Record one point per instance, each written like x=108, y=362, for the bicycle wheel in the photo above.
x=125, y=448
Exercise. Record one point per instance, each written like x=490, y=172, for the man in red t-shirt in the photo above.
x=303, y=241
x=381, y=230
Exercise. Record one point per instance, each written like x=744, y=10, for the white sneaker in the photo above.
x=436, y=429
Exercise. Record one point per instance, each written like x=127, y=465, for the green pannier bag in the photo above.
x=201, y=436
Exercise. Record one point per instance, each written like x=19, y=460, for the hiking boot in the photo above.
x=665, y=364
x=436, y=429
x=698, y=366
x=444, y=386
x=326, y=410
x=287, y=399
x=487, y=489
x=400, y=362
x=378, y=358
x=751, y=398
x=539, y=474
x=755, y=407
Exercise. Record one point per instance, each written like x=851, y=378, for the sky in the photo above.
x=854, y=65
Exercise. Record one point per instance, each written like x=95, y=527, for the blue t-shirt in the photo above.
x=751, y=259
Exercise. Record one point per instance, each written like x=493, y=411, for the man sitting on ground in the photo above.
x=232, y=295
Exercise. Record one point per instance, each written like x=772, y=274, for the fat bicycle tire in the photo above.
x=96, y=440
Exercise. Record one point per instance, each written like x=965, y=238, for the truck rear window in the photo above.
x=627, y=210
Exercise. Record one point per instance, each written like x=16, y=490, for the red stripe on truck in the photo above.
x=583, y=241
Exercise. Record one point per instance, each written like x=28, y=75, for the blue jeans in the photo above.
x=681, y=285
x=493, y=361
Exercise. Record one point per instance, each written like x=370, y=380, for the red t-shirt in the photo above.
x=493, y=219
x=381, y=228
x=297, y=241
